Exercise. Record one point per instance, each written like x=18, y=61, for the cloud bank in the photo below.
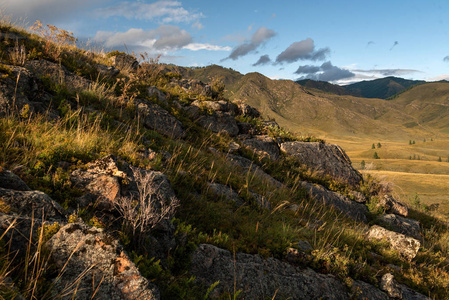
x=261, y=36
x=263, y=60
x=325, y=72
x=302, y=50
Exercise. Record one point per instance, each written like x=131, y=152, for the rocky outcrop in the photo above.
x=158, y=119
x=259, y=278
x=125, y=62
x=406, y=246
x=264, y=146
x=9, y=180
x=29, y=203
x=107, y=71
x=248, y=111
x=327, y=159
x=157, y=94
x=58, y=73
x=399, y=291
x=392, y=206
x=95, y=264
x=226, y=193
x=339, y=202
x=402, y=225
x=219, y=122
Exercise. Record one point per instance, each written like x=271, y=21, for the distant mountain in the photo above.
x=382, y=88
x=323, y=86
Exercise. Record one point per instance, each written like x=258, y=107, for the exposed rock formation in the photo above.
x=406, y=246
x=9, y=180
x=160, y=120
x=341, y=203
x=104, y=268
x=392, y=206
x=260, y=278
x=328, y=159
x=125, y=62
x=264, y=146
x=226, y=193
x=402, y=225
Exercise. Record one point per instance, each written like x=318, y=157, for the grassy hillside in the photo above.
x=382, y=88
x=323, y=86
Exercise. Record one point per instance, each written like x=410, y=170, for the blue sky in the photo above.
x=337, y=41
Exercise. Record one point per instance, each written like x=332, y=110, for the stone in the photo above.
x=107, y=71
x=264, y=146
x=358, y=197
x=261, y=201
x=156, y=118
x=351, y=209
x=407, y=247
x=157, y=93
x=247, y=129
x=248, y=111
x=125, y=62
x=9, y=180
x=392, y=206
x=409, y=227
x=29, y=203
x=365, y=291
x=226, y=193
x=101, y=264
x=304, y=246
x=260, y=278
x=390, y=286
x=219, y=122
x=327, y=159
x=58, y=74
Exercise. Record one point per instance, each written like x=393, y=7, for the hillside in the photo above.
x=323, y=86
x=126, y=179
x=382, y=88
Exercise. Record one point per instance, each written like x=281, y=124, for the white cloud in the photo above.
x=164, y=38
x=209, y=47
x=197, y=25
x=440, y=77
x=161, y=11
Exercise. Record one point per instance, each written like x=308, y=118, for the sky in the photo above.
x=328, y=40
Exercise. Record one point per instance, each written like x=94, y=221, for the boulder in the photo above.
x=248, y=111
x=94, y=263
x=327, y=159
x=399, y=291
x=58, y=74
x=29, y=203
x=259, y=278
x=9, y=180
x=221, y=105
x=264, y=146
x=392, y=206
x=125, y=62
x=351, y=209
x=247, y=129
x=225, y=193
x=157, y=93
x=261, y=201
x=219, y=122
x=406, y=246
x=409, y=227
x=107, y=71
x=365, y=291
x=160, y=120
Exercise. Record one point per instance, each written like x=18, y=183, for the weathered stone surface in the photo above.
x=125, y=62
x=341, y=203
x=365, y=291
x=219, y=122
x=247, y=129
x=328, y=159
x=264, y=146
x=221, y=105
x=21, y=88
x=160, y=120
x=226, y=193
x=9, y=180
x=390, y=286
x=157, y=93
x=193, y=86
x=248, y=165
x=248, y=111
x=406, y=246
x=392, y=206
x=261, y=278
x=358, y=197
x=107, y=270
x=261, y=201
x=402, y=225
x=27, y=202
x=107, y=71
x=58, y=74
